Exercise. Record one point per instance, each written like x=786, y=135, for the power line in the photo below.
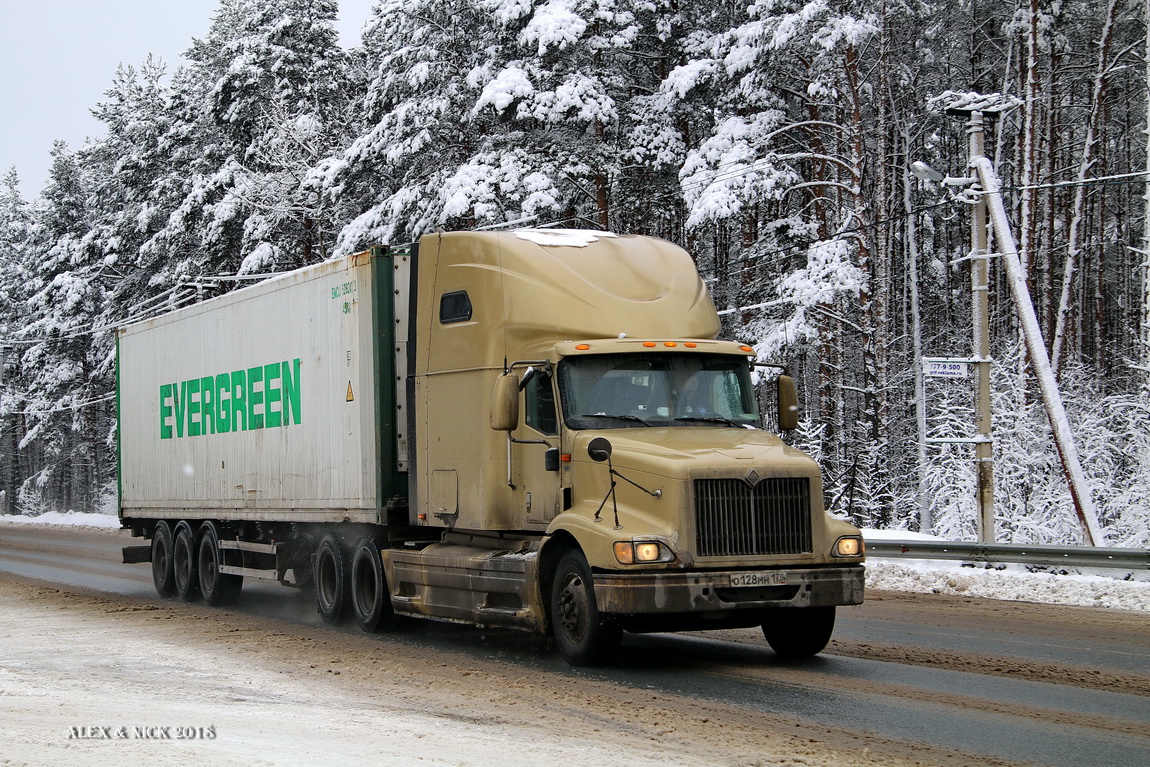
x=66, y=408
x=1100, y=181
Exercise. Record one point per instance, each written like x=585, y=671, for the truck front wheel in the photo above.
x=584, y=636
x=331, y=580
x=799, y=632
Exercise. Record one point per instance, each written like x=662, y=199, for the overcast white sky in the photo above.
x=57, y=57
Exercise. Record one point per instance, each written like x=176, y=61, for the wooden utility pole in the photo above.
x=980, y=305
x=977, y=110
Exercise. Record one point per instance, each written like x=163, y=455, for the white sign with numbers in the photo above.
x=945, y=368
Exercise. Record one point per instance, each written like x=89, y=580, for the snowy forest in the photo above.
x=771, y=138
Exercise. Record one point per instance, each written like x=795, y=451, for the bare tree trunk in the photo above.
x=1144, y=335
x=1028, y=140
x=872, y=300
x=1085, y=163
x=602, y=190
x=924, y=518
x=1049, y=208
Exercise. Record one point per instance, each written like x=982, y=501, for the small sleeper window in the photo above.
x=454, y=307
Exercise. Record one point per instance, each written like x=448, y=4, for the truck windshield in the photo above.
x=615, y=391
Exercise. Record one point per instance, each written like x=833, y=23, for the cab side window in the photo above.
x=539, y=401
x=454, y=307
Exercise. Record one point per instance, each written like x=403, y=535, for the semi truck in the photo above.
x=533, y=428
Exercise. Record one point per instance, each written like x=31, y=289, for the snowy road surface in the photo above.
x=96, y=670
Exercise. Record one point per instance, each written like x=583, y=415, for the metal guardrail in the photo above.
x=1013, y=553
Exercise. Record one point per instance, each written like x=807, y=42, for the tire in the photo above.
x=799, y=632
x=370, y=597
x=331, y=576
x=584, y=636
x=218, y=589
x=184, y=563
x=162, y=577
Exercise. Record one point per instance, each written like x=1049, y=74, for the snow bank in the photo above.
x=64, y=519
x=1011, y=582
x=1119, y=589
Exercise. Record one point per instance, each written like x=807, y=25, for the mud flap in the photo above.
x=135, y=555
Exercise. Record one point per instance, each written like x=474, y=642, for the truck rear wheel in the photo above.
x=184, y=562
x=162, y=576
x=331, y=576
x=369, y=592
x=584, y=636
x=799, y=632
x=219, y=590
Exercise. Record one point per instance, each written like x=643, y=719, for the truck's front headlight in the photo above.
x=849, y=546
x=642, y=552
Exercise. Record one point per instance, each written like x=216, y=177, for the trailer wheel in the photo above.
x=369, y=593
x=584, y=636
x=162, y=576
x=219, y=589
x=184, y=562
x=799, y=632
x=331, y=577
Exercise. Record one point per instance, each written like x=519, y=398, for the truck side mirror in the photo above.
x=599, y=449
x=505, y=404
x=788, y=404
x=551, y=459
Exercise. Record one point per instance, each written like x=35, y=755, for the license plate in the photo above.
x=760, y=578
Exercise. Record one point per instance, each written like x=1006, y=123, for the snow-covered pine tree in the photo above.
x=783, y=175
x=127, y=168
x=15, y=254
x=552, y=92
x=262, y=102
x=415, y=129
x=68, y=409
x=282, y=103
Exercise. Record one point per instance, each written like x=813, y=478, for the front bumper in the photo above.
x=711, y=591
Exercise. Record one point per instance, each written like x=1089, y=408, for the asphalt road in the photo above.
x=930, y=679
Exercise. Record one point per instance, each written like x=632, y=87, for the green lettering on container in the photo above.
x=195, y=425
x=239, y=400
x=291, y=383
x=223, y=403
x=181, y=403
x=259, y=397
x=272, y=395
x=255, y=398
x=165, y=411
x=207, y=405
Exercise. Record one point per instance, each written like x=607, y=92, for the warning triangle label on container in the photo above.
x=350, y=395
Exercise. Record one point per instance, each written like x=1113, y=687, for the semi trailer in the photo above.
x=536, y=429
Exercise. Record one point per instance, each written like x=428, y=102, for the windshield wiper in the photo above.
x=624, y=417
x=711, y=419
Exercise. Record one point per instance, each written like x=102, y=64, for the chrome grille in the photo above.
x=733, y=518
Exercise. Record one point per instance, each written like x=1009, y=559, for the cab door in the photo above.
x=535, y=453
